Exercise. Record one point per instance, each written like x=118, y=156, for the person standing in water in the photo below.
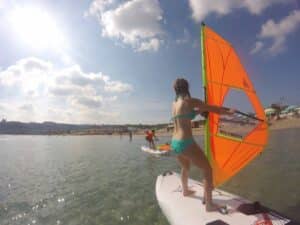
x=149, y=137
x=155, y=138
x=184, y=109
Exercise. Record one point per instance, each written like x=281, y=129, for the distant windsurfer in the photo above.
x=150, y=135
x=184, y=109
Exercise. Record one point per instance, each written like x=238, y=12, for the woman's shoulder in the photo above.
x=173, y=105
x=194, y=101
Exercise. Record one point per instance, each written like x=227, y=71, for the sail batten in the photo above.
x=228, y=151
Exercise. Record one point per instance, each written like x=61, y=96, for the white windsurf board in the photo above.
x=153, y=151
x=190, y=210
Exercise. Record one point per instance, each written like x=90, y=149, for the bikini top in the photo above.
x=191, y=115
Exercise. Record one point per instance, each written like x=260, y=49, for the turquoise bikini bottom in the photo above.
x=178, y=146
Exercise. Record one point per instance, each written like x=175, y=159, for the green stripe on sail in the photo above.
x=206, y=127
x=230, y=137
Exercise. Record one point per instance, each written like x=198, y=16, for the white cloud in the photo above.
x=135, y=22
x=64, y=90
x=278, y=32
x=152, y=44
x=27, y=107
x=258, y=46
x=94, y=115
x=99, y=6
x=117, y=86
x=257, y=6
x=201, y=9
x=26, y=75
x=87, y=101
x=74, y=77
x=30, y=64
x=38, y=91
x=4, y=4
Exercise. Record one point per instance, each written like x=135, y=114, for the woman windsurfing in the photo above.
x=184, y=109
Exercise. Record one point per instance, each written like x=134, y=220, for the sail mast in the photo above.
x=206, y=127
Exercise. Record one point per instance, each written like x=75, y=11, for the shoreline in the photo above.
x=286, y=123
x=274, y=125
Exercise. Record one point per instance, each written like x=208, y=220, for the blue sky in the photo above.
x=114, y=61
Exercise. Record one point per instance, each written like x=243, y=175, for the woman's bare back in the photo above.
x=182, y=126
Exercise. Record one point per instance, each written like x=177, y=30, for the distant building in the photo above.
x=170, y=127
x=270, y=112
x=3, y=121
x=280, y=112
x=289, y=111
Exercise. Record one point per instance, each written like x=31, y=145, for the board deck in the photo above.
x=181, y=210
x=153, y=151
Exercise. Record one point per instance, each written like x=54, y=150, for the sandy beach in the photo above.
x=273, y=125
x=241, y=129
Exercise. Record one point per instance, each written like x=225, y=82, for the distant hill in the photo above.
x=50, y=128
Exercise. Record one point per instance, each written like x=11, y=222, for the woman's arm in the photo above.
x=202, y=107
x=220, y=110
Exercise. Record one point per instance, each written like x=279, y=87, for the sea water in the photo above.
x=108, y=180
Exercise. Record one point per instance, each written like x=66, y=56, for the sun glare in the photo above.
x=36, y=28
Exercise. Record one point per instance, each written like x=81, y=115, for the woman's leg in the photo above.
x=197, y=157
x=185, y=167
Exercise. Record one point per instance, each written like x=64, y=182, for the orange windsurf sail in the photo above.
x=228, y=151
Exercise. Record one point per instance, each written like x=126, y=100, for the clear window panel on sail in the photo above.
x=237, y=126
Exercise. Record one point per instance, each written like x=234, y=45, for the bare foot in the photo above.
x=215, y=207
x=188, y=192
